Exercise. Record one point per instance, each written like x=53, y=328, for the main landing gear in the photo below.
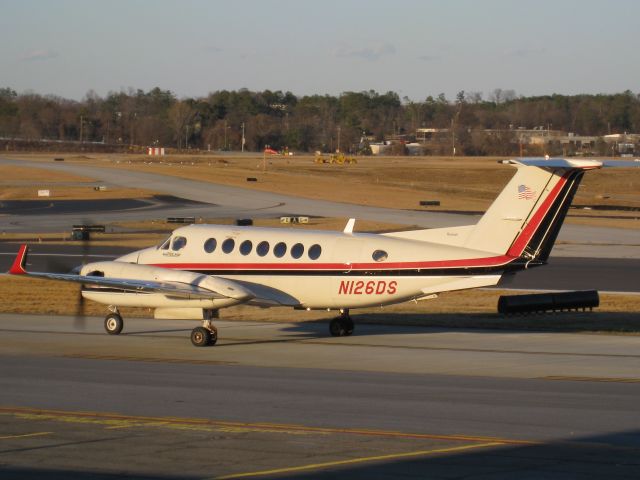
x=343, y=325
x=205, y=335
x=113, y=322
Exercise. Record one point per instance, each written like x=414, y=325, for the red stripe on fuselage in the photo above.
x=462, y=263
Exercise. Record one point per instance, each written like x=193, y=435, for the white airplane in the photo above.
x=202, y=268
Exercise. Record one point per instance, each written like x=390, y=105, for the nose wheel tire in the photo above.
x=201, y=337
x=113, y=324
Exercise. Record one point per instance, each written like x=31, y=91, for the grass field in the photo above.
x=22, y=183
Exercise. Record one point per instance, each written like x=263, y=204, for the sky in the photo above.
x=414, y=48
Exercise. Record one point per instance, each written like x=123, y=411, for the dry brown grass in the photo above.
x=11, y=173
x=71, y=193
x=23, y=183
x=468, y=309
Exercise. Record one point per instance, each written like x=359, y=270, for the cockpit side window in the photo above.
x=178, y=243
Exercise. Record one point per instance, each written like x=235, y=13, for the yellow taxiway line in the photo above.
x=123, y=421
x=24, y=435
x=338, y=463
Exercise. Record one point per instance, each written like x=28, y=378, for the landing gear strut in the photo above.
x=341, y=326
x=113, y=322
x=205, y=335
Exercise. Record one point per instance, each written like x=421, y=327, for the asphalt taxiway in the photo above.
x=288, y=401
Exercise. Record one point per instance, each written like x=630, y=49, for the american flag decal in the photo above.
x=525, y=193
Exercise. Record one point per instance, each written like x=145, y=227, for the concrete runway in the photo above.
x=386, y=402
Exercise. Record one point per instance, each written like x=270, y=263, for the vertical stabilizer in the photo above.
x=525, y=219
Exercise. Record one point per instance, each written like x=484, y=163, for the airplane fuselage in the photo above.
x=318, y=269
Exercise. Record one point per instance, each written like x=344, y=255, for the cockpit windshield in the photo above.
x=164, y=245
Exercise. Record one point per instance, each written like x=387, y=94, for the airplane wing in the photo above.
x=172, y=288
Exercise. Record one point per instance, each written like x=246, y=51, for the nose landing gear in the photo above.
x=113, y=322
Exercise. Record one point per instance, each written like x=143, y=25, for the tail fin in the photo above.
x=525, y=219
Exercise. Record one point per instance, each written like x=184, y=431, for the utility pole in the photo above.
x=225, y=135
x=453, y=138
x=81, y=125
x=243, y=137
x=339, y=132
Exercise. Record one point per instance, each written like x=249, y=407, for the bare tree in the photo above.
x=180, y=115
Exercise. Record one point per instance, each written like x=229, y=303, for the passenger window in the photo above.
x=280, y=249
x=262, y=249
x=228, y=245
x=210, y=245
x=246, y=247
x=178, y=243
x=379, y=255
x=297, y=250
x=315, y=251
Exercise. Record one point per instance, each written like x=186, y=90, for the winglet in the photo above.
x=348, y=229
x=18, y=264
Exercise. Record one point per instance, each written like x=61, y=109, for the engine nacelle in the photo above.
x=136, y=271
x=224, y=292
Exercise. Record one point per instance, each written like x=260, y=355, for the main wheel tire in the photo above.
x=200, y=337
x=336, y=327
x=113, y=324
x=213, y=337
x=348, y=326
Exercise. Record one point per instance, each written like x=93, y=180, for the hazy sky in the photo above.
x=415, y=48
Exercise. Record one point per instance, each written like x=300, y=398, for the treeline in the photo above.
x=306, y=123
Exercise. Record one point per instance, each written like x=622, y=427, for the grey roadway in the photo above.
x=577, y=394
x=238, y=202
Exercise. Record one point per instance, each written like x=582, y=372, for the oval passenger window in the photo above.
x=379, y=255
x=280, y=249
x=210, y=245
x=315, y=251
x=246, y=247
x=228, y=245
x=263, y=248
x=297, y=250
